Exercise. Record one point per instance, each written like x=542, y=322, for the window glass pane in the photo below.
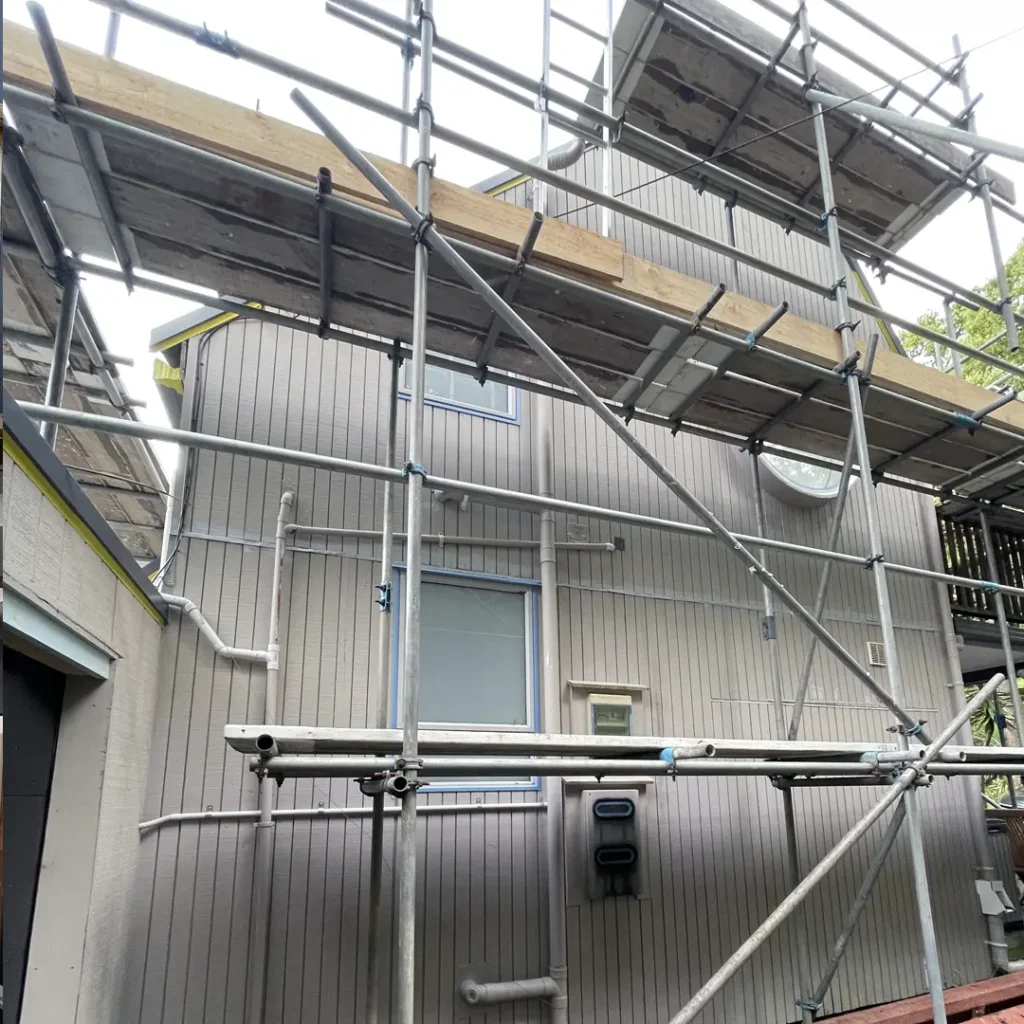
x=473, y=652
x=462, y=389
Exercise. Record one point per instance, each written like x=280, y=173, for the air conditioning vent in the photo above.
x=876, y=654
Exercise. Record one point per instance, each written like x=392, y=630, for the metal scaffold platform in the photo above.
x=115, y=164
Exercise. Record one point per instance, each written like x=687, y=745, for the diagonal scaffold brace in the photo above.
x=425, y=229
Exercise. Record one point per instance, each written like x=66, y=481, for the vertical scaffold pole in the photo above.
x=542, y=407
x=405, y=979
x=1004, y=636
x=385, y=591
x=58, y=375
x=985, y=191
x=770, y=636
x=408, y=56
x=830, y=216
x=540, y=188
x=608, y=84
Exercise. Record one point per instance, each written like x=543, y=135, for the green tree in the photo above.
x=975, y=327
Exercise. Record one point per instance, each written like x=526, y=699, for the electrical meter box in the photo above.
x=613, y=831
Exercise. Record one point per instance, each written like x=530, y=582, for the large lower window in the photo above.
x=462, y=391
x=478, y=658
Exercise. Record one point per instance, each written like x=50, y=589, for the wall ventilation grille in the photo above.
x=876, y=654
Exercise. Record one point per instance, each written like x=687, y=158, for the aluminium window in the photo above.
x=462, y=392
x=477, y=654
x=478, y=660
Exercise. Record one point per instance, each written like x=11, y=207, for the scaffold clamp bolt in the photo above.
x=414, y=469
x=385, y=595
x=425, y=224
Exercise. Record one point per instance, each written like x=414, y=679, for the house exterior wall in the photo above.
x=83, y=911
x=674, y=614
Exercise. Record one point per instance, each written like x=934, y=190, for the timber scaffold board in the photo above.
x=209, y=229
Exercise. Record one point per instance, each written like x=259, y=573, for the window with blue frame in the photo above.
x=464, y=393
x=478, y=659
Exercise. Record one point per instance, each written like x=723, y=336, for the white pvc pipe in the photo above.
x=191, y=610
x=274, y=619
x=443, y=540
x=491, y=993
x=302, y=813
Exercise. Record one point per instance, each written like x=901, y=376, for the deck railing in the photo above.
x=964, y=552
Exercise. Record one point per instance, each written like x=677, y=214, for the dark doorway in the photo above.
x=32, y=700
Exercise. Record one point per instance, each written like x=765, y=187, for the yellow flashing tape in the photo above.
x=886, y=333
x=168, y=376
x=81, y=527
x=200, y=328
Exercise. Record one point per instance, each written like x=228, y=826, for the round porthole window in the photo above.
x=798, y=483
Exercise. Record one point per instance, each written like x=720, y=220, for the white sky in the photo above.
x=956, y=245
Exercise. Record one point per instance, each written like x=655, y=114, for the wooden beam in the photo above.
x=216, y=125
x=142, y=99
x=670, y=290
x=1007, y=990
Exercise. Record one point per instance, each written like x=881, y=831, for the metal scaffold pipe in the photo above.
x=573, y=381
x=830, y=216
x=265, y=179
x=723, y=182
x=985, y=191
x=764, y=931
x=481, y=492
x=384, y=602
x=894, y=119
x=405, y=979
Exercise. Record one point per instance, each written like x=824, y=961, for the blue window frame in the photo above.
x=479, y=660
x=461, y=392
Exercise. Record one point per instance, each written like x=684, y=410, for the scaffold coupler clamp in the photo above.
x=988, y=587
x=812, y=1006
x=414, y=469
x=219, y=41
x=869, y=562
x=826, y=215
x=384, y=600
x=833, y=288
x=849, y=366
x=769, y=630
x=419, y=232
x=616, y=132
x=668, y=756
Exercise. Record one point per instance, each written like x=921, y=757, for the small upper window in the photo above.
x=799, y=483
x=462, y=391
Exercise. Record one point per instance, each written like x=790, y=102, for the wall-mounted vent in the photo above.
x=876, y=654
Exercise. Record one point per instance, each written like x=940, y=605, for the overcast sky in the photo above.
x=956, y=245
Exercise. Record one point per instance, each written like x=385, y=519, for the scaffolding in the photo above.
x=394, y=762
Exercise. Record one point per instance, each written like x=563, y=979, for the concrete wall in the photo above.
x=80, y=938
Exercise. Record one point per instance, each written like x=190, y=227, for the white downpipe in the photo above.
x=274, y=619
x=551, y=704
x=263, y=864
x=265, y=823
x=191, y=610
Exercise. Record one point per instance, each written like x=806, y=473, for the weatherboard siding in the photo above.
x=676, y=614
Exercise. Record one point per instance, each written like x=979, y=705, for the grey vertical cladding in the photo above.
x=673, y=614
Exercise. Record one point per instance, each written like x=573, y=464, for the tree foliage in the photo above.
x=974, y=328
